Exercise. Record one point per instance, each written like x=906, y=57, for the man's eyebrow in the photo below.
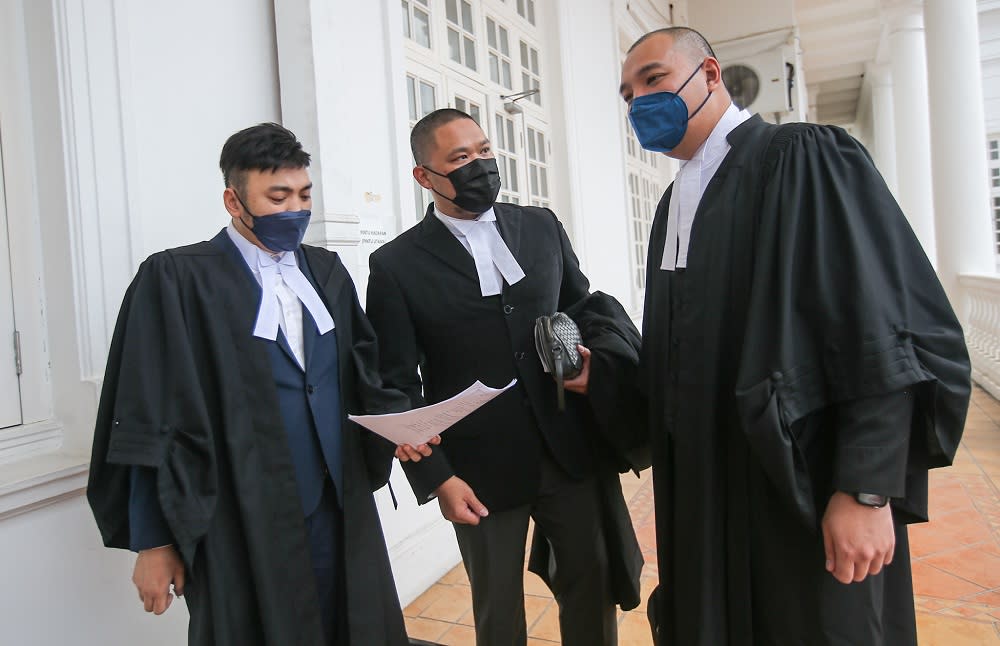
x=645, y=69
x=459, y=149
x=287, y=189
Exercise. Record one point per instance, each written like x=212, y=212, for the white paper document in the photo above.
x=421, y=424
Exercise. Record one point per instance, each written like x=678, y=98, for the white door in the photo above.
x=10, y=387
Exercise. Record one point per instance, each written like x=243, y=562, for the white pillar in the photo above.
x=883, y=123
x=341, y=76
x=958, y=138
x=905, y=19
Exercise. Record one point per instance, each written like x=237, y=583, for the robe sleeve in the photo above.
x=844, y=305
x=399, y=358
x=152, y=413
x=872, y=444
x=147, y=526
x=376, y=397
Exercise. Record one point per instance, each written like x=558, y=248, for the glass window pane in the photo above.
x=534, y=61
x=520, y=7
x=467, y=17
x=470, y=53
x=423, y=2
x=426, y=98
x=534, y=179
x=494, y=68
x=422, y=27
x=544, y=176
x=460, y=104
x=510, y=136
x=454, y=46
x=524, y=56
x=531, y=11
x=525, y=81
x=504, y=42
x=411, y=95
x=541, y=147
x=406, y=18
x=491, y=33
x=531, y=144
x=451, y=10
x=506, y=75
x=513, y=177
x=498, y=133
x=474, y=112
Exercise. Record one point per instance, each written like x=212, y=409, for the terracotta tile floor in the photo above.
x=956, y=558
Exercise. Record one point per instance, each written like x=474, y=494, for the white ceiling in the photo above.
x=837, y=38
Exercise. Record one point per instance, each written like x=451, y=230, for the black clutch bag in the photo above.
x=556, y=338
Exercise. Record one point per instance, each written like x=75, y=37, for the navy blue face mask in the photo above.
x=660, y=120
x=282, y=231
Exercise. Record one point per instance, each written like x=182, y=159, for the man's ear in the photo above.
x=231, y=203
x=713, y=73
x=420, y=174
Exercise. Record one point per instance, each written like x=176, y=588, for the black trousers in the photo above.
x=325, y=531
x=568, y=513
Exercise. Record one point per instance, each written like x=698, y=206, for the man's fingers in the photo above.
x=478, y=508
x=179, y=583
x=162, y=603
x=435, y=440
x=148, y=601
x=406, y=453
x=843, y=569
x=828, y=550
x=424, y=450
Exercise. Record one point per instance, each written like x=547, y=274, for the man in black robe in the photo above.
x=222, y=453
x=802, y=366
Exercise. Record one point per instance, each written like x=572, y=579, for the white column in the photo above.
x=958, y=138
x=587, y=57
x=883, y=123
x=908, y=60
x=341, y=77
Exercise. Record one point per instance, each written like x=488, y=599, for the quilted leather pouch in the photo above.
x=556, y=338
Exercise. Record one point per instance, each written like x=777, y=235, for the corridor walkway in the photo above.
x=956, y=558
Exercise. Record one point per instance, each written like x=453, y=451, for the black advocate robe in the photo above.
x=188, y=390
x=805, y=292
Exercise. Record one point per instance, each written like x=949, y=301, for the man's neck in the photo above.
x=454, y=211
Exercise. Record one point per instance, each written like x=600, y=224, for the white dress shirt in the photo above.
x=285, y=289
x=689, y=186
x=480, y=237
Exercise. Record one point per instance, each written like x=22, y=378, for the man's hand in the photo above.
x=155, y=570
x=407, y=453
x=859, y=540
x=578, y=384
x=458, y=503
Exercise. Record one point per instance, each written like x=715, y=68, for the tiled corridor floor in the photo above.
x=956, y=558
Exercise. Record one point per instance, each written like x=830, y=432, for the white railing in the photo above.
x=981, y=320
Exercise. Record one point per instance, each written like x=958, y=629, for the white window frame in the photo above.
x=410, y=9
x=464, y=27
x=531, y=69
x=504, y=61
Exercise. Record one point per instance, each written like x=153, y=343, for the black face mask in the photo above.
x=477, y=184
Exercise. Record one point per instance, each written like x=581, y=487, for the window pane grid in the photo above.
x=530, y=76
x=498, y=46
x=417, y=21
x=461, y=33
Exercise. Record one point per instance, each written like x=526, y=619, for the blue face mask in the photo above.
x=660, y=120
x=281, y=231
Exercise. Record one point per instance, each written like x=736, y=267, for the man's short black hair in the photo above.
x=422, y=135
x=264, y=147
x=687, y=40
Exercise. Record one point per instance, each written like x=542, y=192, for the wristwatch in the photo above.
x=872, y=500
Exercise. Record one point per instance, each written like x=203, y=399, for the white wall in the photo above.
x=61, y=586
x=589, y=139
x=199, y=71
x=989, y=42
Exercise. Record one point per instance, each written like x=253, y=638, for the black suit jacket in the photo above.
x=425, y=304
